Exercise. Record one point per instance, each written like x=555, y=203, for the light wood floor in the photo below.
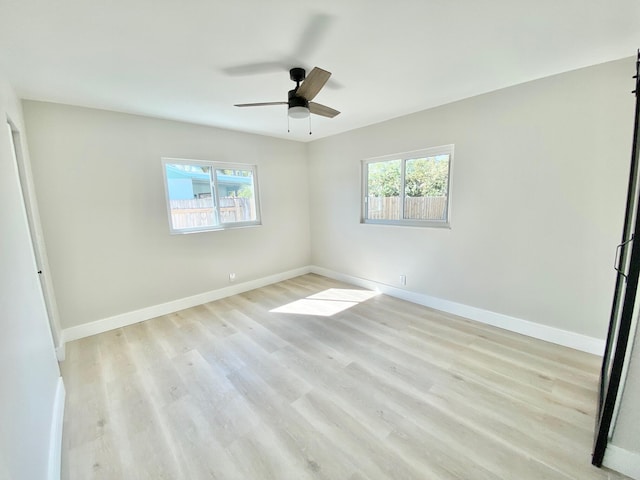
x=384, y=389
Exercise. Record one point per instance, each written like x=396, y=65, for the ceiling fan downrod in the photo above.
x=297, y=75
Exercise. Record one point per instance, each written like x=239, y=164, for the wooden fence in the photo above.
x=415, y=208
x=198, y=212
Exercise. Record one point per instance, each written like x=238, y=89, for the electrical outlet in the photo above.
x=403, y=279
x=232, y=277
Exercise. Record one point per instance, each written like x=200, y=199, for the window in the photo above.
x=408, y=189
x=203, y=195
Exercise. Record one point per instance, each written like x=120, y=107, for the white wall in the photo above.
x=539, y=182
x=29, y=374
x=102, y=204
x=623, y=451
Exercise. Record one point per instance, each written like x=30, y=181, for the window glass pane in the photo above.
x=190, y=196
x=383, y=190
x=426, y=188
x=236, y=191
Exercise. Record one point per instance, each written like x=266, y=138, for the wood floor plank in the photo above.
x=310, y=450
x=262, y=454
x=335, y=423
x=484, y=448
x=311, y=378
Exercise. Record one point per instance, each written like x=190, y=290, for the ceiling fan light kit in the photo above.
x=299, y=100
x=298, y=112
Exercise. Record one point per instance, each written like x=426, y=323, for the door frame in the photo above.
x=622, y=322
x=27, y=188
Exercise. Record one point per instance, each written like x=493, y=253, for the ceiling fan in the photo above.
x=307, y=87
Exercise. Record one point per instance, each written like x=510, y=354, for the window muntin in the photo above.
x=204, y=195
x=408, y=189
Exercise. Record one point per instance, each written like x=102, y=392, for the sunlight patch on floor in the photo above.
x=326, y=303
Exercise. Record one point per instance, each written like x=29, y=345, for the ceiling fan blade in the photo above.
x=313, y=83
x=261, y=104
x=313, y=34
x=322, y=110
x=255, y=68
x=311, y=37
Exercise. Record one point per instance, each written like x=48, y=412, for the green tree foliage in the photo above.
x=424, y=177
x=427, y=177
x=245, y=192
x=384, y=179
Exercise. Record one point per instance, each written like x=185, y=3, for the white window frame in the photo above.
x=404, y=157
x=213, y=165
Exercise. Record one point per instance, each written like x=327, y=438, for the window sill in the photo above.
x=408, y=223
x=216, y=228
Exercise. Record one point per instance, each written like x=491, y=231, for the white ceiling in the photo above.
x=173, y=59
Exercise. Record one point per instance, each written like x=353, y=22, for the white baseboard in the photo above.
x=129, y=318
x=623, y=461
x=55, y=440
x=518, y=325
x=536, y=330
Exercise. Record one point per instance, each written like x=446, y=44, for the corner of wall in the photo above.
x=61, y=349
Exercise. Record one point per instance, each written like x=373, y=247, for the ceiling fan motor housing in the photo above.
x=297, y=101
